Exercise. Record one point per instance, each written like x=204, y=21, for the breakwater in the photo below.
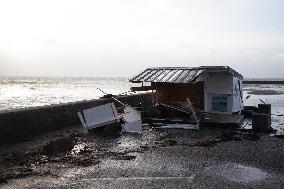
x=263, y=81
x=21, y=124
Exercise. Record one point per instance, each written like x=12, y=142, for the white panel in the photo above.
x=100, y=115
x=133, y=120
x=131, y=115
x=237, y=95
x=132, y=126
x=114, y=111
x=82, y=119
x=219, y=83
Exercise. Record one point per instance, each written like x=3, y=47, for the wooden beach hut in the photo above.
x=216, y=89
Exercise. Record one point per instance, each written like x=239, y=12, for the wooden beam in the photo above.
x=142, y=88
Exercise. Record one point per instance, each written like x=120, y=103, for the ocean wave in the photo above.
x=22, y=92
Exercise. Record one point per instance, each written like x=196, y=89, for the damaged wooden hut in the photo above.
x=211, y=89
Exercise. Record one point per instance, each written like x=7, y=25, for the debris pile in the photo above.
x=186, y=93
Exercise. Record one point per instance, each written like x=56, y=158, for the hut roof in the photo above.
x=178, y=74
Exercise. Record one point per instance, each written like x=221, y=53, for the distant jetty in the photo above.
x=263, y=81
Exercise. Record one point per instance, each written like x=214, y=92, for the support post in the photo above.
x=261, y=122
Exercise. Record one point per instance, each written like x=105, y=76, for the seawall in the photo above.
x=21, y=124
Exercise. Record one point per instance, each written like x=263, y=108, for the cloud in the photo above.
x=110, y=37
x=44, y=40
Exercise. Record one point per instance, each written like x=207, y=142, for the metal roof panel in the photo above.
x=178, y=74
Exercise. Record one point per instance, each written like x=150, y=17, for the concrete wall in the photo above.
x=21, y=124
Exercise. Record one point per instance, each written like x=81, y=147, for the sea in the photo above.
x=24, y=92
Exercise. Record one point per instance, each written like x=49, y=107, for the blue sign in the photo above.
x=219, y=103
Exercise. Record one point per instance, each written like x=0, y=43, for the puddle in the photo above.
x=237, y=173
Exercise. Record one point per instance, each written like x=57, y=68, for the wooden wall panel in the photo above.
x=176, y=94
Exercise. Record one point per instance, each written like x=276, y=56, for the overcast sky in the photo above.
x=122, y=37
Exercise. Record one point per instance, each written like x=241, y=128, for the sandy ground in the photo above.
x=209, y=158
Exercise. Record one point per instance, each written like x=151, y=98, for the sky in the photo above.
x=107, y=38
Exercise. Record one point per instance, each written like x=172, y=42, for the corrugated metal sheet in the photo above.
x=177, y=74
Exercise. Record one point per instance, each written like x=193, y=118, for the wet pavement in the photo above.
x=211, y=158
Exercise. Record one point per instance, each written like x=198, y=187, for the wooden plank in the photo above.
x=223, y=120
x=142, y=88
